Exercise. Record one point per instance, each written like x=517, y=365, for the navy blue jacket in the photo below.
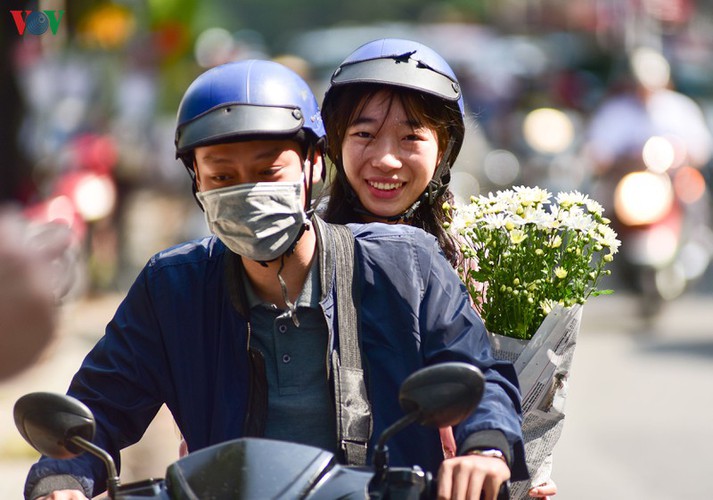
x=178, y=338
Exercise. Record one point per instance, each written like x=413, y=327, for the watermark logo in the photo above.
x=36, y=22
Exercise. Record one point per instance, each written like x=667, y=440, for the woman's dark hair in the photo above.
x=344, y=105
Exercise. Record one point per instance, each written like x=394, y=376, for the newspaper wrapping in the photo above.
x=543, y=365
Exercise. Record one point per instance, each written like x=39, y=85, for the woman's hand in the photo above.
x=468, y=476
x=544, y=490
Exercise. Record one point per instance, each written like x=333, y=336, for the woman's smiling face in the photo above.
x=388, y=159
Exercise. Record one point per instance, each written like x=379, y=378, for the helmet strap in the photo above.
x=188, y=159
x=291, y=307
x=308, y=172
x=441, y=177
x=309, y=211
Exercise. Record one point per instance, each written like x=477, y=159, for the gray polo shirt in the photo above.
x=300, y=403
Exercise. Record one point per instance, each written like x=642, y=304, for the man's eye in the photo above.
x=271, y=171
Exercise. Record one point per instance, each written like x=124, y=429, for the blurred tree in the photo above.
x=280, y=20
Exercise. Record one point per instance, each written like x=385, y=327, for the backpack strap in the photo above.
x=353, y=410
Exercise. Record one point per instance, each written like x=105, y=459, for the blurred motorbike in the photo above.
x=59, y=426
x=84, y=190
x=661, y=211
x=80, y=194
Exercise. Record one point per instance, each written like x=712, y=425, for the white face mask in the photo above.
x=257, y=221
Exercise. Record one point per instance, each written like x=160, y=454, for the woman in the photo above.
x=394, y=117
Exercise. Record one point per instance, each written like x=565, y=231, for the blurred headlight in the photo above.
x=659, y=154
x=642, y=198
x=94, y=196
x=548, y=130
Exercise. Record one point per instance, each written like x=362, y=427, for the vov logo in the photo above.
x=36, y=22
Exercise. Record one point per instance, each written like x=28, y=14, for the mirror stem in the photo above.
x=381, y=457
x=113, y=481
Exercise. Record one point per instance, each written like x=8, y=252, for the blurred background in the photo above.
x=613, y=98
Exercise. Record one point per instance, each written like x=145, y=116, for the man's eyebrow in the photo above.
x=215, y=158
x=269, y=153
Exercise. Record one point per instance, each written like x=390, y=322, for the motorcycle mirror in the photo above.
x=49, y=421
x=443, y=394
x=439, y=396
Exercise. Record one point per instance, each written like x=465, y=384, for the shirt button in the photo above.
x=286, y=358
x=282, y=328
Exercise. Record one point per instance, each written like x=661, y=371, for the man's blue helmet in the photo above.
x=244, y=99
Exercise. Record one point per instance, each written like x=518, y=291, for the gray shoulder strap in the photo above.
x=354, y=421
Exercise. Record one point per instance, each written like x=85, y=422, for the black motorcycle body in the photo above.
x=254, y=468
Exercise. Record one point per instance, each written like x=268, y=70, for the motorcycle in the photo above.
x=660, y=211
x=60, y=426
x=81, y=194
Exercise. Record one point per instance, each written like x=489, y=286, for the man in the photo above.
x=211, y=326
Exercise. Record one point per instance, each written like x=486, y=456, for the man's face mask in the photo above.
x=257, y=221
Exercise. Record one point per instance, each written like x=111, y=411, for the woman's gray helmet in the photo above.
x=411, y=65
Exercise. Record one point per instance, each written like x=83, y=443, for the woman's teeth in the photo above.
x=386, y=186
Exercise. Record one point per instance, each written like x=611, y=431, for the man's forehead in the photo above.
x=253, y=149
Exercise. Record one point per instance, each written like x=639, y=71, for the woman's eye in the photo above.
x=417, y=135
x=361, y=134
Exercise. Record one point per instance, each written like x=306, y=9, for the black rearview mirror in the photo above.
x=442, y=394
x=49, y=421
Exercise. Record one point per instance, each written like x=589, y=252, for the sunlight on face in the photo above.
x=223, y=165
x=388, y=160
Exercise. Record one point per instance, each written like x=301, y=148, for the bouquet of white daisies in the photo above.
x=529, y=265
x=524, y=254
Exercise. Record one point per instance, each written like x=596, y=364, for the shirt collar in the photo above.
x=309, y=296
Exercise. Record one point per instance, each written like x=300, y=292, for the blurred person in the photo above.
x=32, y=279
x=199, y=328
x=395, y=122
x=647, y=106
x=646, y=145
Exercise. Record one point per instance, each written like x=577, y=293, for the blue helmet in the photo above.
x=399, y=63
x=245, y=99
x=409, y=65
